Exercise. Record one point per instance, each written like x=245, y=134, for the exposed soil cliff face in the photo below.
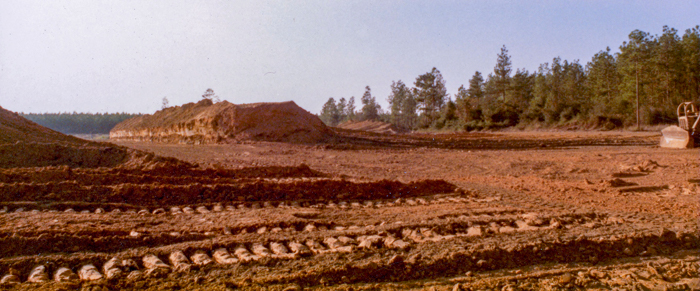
x=206, y=122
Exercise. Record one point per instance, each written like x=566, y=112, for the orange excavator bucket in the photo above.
x=682, y=136
x=676, y=137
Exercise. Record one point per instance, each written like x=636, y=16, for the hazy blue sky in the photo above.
x=114, y=56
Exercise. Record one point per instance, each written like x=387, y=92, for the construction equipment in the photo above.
x=687, y=133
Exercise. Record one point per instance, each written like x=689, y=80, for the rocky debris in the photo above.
x=180, y=262
x=260, y=250
x=38, y=275
x=201, y=258
x=244, y=255
x=597, y=274
x=475, y=230
x=89, y=273
x=280, y=250
x=309, y=228
x=112, y=269
x=135, y=275
x=617, y=182
x=524, y=226
x=369, y=241
x=154, y=266
x=534, y=219
x=566, y=278
x=643, y=167
x=395, y=243
x=64, y=274
x=614, y=220
x=222, y=256
x=316, y=247
x=300, y=249
x=293, y=287
x=203, y=210
x=414, y=235
x=337, y=245
x=9, y=279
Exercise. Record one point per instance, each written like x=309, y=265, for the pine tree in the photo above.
x=603, y=81
x=463, y=104
x=430, y=94
x=329, y=113
x=403, y=106
x=634, y=64
x=341, y=107
x=690, y=75
x=165, y=103
x=502, y=72
x=476, y=86
x=210, y=95
x=350, y=109
x=521, y=91
x=370, y=108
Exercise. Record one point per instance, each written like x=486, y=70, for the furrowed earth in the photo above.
x=361, y=211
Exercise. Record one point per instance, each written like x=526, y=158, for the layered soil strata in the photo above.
x=222, y=122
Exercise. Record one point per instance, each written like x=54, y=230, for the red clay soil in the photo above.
x=208, y=122
x=24, y=143
x=15, y=128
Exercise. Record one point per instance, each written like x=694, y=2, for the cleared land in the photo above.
x=499, y=211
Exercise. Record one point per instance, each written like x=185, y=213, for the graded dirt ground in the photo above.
x=367, y=211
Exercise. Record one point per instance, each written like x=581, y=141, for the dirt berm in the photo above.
x=370, y=125
x=223, y=122
x=24, y=143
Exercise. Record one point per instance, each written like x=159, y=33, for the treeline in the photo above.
x=651, y=72
x=79, y=123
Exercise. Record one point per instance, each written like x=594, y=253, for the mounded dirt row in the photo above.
x=175, y=176
x=203, y=208
x=171, y=195
x=359, y=140
x=384, y=258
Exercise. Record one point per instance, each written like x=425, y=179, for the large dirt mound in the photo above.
x=370, y=125
x=15, y=128
x=26, y=144
x=208, y=122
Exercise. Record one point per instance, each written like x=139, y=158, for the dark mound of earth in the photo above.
x=24, y=143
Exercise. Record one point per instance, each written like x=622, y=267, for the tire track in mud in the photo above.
x=460, y=196
x=49, y=241
x=88, y=177
x=421, y=250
